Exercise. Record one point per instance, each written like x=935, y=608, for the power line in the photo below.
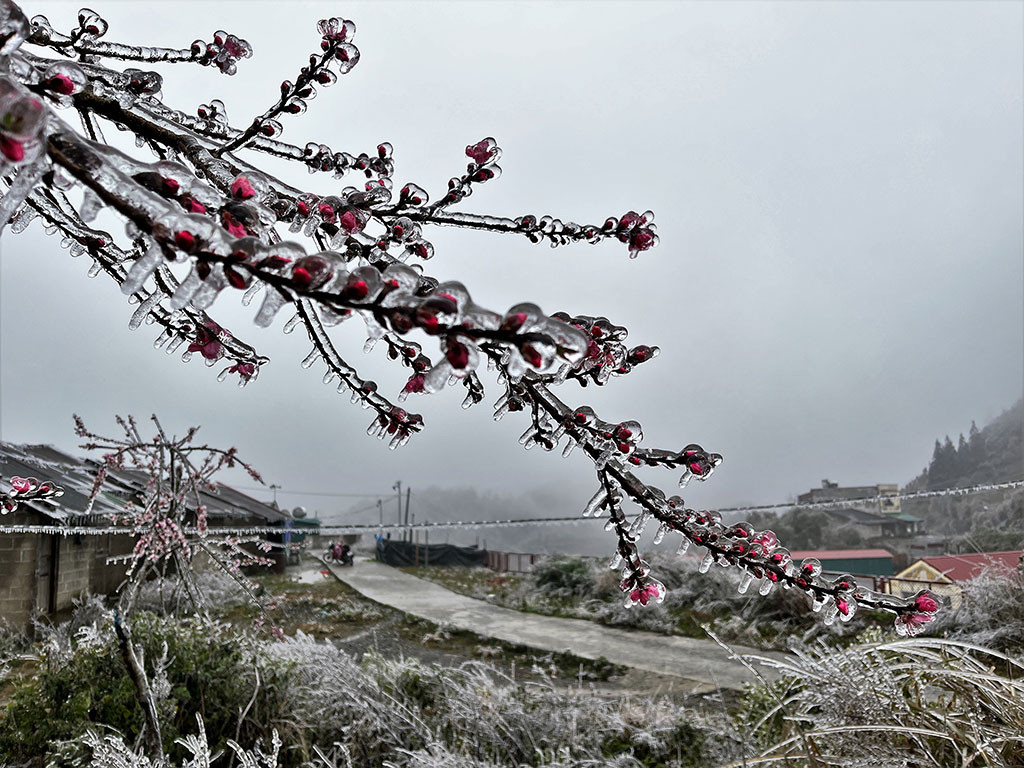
x=532, y=521
x=310, y=493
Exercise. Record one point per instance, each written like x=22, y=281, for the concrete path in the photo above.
x=702, y=663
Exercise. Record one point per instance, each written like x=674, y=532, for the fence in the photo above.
x=510, y=562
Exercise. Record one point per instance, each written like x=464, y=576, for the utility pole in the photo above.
x=398, y=487
x=380, y=510
x=408, y=493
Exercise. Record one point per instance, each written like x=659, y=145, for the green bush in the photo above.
x=209, y=670
x=568, y=577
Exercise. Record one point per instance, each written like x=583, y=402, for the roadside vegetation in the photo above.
x=323, y=678
x=585, y=588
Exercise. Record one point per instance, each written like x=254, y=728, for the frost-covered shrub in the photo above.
x=405, y=713
x=990, y=612
x=564, y=576
x=926, y=702
x=81, y=682
x=167, y=594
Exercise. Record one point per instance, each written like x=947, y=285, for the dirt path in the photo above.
x=702, y=664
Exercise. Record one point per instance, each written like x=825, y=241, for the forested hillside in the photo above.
x=995, y=454
x=990, y=521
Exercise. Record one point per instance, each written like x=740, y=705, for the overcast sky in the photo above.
x=838, y=190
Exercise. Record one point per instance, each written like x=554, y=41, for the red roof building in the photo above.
x=966, y=567
x=942, y=574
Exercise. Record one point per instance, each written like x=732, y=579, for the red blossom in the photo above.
x=910, y=624
x=207, y=342
x=242, y=188
x=61, y=84
x=244, y=370
x=482, y=151
x=13, y=150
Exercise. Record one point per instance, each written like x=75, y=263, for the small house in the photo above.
x=943, y=574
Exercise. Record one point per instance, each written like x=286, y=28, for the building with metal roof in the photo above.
x=45, y=571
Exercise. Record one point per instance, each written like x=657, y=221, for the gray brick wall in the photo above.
x=17, y=573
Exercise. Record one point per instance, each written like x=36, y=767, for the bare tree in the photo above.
x=167, y=520
x=200, y=219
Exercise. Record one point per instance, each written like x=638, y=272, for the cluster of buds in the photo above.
x=484, y=167
x=641, y=590
x=28, y=489
x=397, y=424
x=321, y=158
x=224, y=52
x=606, y=355
x=337, y=38
x=637, y=230
x=695, y=462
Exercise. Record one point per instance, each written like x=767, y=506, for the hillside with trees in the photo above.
x=988, y=521
x=994, y=454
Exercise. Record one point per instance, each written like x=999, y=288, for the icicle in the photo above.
x=766, y=586
x=819, y=601
x=596, y=502
x=684, y=545
x=144, y=309
x=830, y=613
x=272, y=302
x=616, y=561
x=95, y=268
x=602, y=460
x=142, y=269
x=186, y=289
x=706, y=563
x=660, y=533
x=292, y=323
x=91, y=205
x=22, y=185
x=22, y=219
x=251, y=292
x=311, y=358
x=163, y=338
x=745, y=581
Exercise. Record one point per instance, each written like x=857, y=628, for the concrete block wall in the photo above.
x=17, y=576
x=75, y=562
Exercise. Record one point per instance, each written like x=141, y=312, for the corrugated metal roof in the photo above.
x=840, y=554
x=227, y=501
x=17, y=463
x=76, y=477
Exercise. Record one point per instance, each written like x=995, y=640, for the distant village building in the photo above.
x=43, y=573
x=944, y=574
x=878, y=516
x=868, y=562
